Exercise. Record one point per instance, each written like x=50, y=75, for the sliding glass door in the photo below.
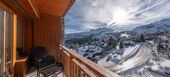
x=6, y=42
x=1, y=40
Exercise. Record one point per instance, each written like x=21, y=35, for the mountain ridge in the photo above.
x=159, y=26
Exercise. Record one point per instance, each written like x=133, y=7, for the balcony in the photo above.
x=75, y=65
x=40, y=23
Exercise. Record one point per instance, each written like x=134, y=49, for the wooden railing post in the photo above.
x=19, y=68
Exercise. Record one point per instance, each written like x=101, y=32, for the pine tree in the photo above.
x=112, y=42
x=121, y=44
x=142, y=38
x=159, y=46
x=166, y=43
x=72, y=46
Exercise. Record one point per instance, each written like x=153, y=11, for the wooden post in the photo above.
x=14, y=42
x=4, y=49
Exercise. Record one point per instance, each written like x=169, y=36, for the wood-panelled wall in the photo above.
x=47, y=33
x=28, y=37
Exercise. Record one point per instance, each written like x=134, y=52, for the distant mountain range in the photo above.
x=160, y=26
x=88, y=33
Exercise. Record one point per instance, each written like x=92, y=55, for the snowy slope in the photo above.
x=88, y=33
x=160, y=26
x=101, y=33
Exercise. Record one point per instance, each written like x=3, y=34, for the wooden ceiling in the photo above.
x=54, y=7
x=51, y=7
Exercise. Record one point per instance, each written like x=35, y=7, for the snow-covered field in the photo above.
x=116, y=57
x=96, y=49
x=152, y=68
x=149, y=70
x=130, y=51
x=149, y=67
x=127, y=55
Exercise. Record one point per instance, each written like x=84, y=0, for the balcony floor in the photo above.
x=34, y=74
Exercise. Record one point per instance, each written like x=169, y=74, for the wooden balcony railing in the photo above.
x=21, y=67
x=76, y=65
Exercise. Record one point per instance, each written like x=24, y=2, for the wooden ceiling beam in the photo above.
x=30, y=6
x=69, y=6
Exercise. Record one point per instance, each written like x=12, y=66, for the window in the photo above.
x=1, y=38
x=7, y=44
x=20, y=37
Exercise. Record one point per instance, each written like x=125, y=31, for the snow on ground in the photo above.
x=83, y=49
x=165, y=63
x=124, y=35
x=142, y=71
x=162, y=67
x=96, y=49
x=145, y=73
x=152, y=42
x=115, y=58
x=105, y=63
x=157, y=69
x=130, y=50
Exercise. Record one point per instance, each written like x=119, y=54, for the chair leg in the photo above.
x=38, y=74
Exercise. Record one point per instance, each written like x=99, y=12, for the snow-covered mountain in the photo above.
x=160, y=26
x=95, y=32
x=101, y=33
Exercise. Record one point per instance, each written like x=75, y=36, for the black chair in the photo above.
x=41, y=61
x=37, y=56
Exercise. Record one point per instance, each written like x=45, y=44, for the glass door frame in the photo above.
x=14, y=37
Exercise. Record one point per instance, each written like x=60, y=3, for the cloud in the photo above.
x=91, y=14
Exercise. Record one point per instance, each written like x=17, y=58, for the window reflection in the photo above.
x=20, y=34
x=8, y=39
x=1, y=38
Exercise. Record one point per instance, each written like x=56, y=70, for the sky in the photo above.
x=85, y=15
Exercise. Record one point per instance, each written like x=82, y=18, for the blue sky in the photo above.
x=85, y=15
